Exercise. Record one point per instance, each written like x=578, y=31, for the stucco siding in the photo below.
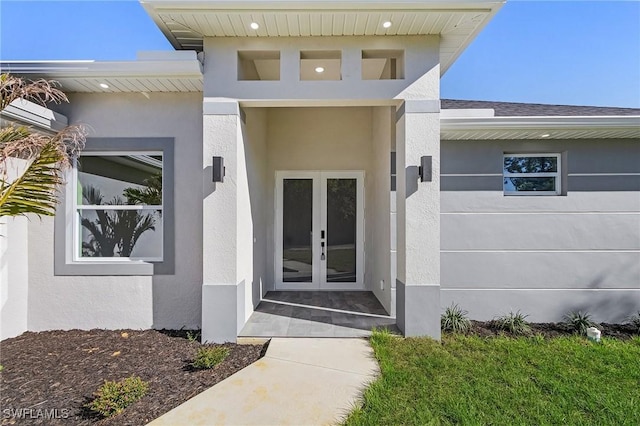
x=380, y=186
x=545, y=255
x=421, y=69
x=161, y=301
x=14, y=278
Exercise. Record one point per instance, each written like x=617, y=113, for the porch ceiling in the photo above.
x=186, y=23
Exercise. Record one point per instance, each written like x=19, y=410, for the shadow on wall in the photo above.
x=413, y=176
x=208, y=186
x=617, y=308
x=626, y=270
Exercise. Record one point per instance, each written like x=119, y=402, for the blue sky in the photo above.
x=564, y=52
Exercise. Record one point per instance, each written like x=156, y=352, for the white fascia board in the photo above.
x=541, y=123
x=187, y=5
x=32, y=114
x=467, y=113
x=495, y=7
x=141, y=68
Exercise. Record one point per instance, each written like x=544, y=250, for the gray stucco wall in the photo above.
x=544, y=255
x=160, y=301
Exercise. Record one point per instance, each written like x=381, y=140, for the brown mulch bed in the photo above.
x=60, y=370
x=551, y=329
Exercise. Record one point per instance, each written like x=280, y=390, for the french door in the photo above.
x=319, y=230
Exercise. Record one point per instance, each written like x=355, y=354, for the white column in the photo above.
x=224, y=248
x=418, y=220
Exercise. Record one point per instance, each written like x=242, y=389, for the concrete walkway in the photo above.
x=300, y=381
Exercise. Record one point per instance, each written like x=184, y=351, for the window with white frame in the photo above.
x=531, y=174
x=118, y=206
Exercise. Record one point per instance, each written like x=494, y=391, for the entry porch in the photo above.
x=318, y=314
x=312, y=232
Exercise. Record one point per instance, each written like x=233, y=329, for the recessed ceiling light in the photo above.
x=319, y=70
x=546, y=135
x=387, y=24
x=104, y=85
x=254, y=25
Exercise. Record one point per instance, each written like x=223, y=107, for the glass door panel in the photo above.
x=341, y=230
x=319, y=230
x=297, y=230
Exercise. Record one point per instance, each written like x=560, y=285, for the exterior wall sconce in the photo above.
x=218, y=169
x=424, y=170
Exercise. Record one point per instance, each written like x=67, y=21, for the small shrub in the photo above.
x=209, y=357
x=514, y=323
x=634, y=320
x=578, y=321
x=193, y=336
x=113, y=397
x=455, y=320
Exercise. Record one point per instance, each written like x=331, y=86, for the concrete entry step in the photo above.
x=317, y=314
x=302, y=381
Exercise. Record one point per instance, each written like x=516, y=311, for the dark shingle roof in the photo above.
x=507, y=109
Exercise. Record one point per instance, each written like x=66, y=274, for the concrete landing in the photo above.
x=300, y=381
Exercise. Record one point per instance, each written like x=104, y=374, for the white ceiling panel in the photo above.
x=186, y=23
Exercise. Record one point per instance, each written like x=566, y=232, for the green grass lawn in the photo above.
x=472, y=380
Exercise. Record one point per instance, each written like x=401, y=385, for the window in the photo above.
x=116, y=216
x=118, y=206
x=531, y=174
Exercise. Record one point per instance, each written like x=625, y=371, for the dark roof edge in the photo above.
x=510, y=109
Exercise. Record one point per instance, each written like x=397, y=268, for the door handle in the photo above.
x=322, y=257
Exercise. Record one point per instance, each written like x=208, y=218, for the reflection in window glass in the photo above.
x=341, y=230
x=297, y=227
x=533, y=174
x=119, y=206
x=530, y=164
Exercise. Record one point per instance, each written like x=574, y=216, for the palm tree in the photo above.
x=34, y=190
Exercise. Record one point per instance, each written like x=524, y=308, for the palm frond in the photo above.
x=38, y=91
x=34, y=191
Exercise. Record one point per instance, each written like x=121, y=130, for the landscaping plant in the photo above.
x=113, y=397
x=634, y=320
x=579, y=321
x=455, y=320
x=209, y=357
x=193, y=336
x=514, y=323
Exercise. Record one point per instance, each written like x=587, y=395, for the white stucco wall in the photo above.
x=380, y=187
x=14, y=268
x=421, y=69
x=255, y=146
x=161, y=301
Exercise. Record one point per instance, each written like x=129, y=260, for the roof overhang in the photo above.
x=186, y=23
x=27, y=113
x=151, y=72
x=553, y=127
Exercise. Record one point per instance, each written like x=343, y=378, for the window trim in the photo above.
x=66, y=259
x=557, y=174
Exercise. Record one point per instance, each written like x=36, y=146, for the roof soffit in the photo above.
x=186, y=23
